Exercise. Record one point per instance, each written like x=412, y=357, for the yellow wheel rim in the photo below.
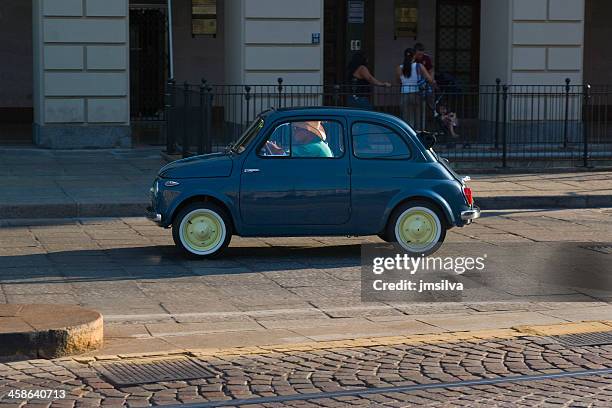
x=418, y=229
x=202, y=231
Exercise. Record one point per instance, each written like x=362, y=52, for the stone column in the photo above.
x=532, y=42
x=267, y=39
x=81, y=73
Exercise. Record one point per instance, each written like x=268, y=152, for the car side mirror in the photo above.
x=428, y=139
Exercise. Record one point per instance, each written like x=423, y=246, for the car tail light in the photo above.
x=467, y=191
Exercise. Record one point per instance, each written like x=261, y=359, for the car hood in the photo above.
x=207, y=165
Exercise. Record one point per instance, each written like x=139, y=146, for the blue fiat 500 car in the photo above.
x=314, y=172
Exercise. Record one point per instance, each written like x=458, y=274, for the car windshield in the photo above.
x=245, y=139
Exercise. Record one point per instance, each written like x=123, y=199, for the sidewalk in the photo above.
x=37, y=183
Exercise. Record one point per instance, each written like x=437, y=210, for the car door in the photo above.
x=286, y=181
x=383, y=163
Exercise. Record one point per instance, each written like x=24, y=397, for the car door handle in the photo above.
x=250, y=171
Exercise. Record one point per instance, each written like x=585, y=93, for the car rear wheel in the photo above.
x=202, y=229
x=418, y=227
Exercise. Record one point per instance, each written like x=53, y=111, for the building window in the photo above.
x=204, y=17
x=406, y=17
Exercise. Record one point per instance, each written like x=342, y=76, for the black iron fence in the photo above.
x=492, y=124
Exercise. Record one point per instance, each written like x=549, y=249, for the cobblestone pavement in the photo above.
x=263, y=291
x=315, y=370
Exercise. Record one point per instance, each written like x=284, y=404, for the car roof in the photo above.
x=326, y=110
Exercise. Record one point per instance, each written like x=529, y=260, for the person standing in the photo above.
x=361, y=81
x=408, y=75
x=423, y=58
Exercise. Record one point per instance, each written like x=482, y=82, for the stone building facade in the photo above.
x=72, y=70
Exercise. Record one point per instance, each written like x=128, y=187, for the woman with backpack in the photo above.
x=415, y=83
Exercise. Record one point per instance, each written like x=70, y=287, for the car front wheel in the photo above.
x=418, y=227
x=202, y=229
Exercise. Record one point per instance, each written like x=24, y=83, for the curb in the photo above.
x=416, y=339
x=544, y=202
x=48, y=331
x=73, y=210
x=137, y=209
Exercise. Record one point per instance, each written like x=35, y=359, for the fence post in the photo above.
x=422, y=111
x=585, y=124
x=247, y=97
x=336, y=95
x=185, y=140
x=505, y=128
x=203, y=117
x=280, y=92
x=170, y=103
x=497, y=94
x=566, y=119
x=209, y=102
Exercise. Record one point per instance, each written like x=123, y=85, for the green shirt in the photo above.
x=316, y=148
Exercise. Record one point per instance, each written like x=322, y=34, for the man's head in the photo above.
x=419, y=51
x=304, y=132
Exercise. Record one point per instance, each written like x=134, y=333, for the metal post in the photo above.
x=423, y=108
x=505, y=128
x=585, y=124
x=280, y=92
x=170, y=40
x=170, y=104
x=209, y=102
x=185, y=141
x=203, y=118
x=336, y=95
x=566, y=119
x=497, y=94
x=247, y=96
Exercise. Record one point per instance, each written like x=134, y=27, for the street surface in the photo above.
x=315, y=376
x=301, y=295
x=269, y=290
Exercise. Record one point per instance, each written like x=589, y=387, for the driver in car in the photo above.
x=308, y=140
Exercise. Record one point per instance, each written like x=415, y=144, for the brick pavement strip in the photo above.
x=251, y=373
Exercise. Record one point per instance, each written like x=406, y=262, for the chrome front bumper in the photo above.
x=470, y=214
x=153, y=216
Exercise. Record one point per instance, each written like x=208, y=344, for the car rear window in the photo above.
x=374, y=141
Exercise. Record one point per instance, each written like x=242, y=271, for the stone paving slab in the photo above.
x=310, y=369
x=154, y=299
x=39, y=183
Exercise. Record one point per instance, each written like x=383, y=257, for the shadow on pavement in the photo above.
x=162, y=262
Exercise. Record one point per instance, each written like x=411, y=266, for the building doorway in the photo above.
x=348, y=28
x=148, y=72
x=458, y=39
x=148, y=60
x=16, y=79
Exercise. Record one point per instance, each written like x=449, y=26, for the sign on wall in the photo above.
x=356, y=12
x=406, y=18
x=204, y=17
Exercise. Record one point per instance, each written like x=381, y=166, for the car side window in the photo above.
x=373, y=141
x=305, y=139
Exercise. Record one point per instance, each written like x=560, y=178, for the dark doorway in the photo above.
x=333, y=41
x=16, y=75
x=338, y=34
x=458, y=39
x=147, y=62
x=148, y=73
